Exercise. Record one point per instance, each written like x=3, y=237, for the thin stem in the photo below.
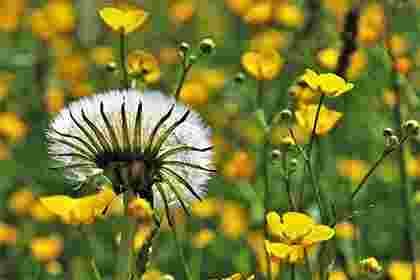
x=185, y=69
x=293, y=272
x=264, y=152
x=123, y=47
x=286, y=176
x=95, y=269
x=90, y=239
x=384, y=154
x=313, y=133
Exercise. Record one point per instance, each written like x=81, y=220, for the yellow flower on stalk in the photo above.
x=399, y=270
x=305, y=118
x=329, y=83
x=143, y=64
x=82, y=210
x=123, y=20
x=262, y=65
x=296, y=232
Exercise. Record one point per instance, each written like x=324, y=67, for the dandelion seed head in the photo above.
x=75, y=144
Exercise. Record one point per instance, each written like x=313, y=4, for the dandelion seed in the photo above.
x=148, y=143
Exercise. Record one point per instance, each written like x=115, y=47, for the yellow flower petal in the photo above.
x=311, y=78
x=264, y=65
x=296, y=254
x=128, y=20
x=274, y=224
x=333, y=85
x=297, y=225
x=318, y=233
x=305, y=118
x=278, y=250
x=60, y=205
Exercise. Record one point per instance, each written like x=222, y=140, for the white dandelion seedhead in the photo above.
x=144, y=141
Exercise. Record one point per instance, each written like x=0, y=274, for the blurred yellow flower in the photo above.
x=4, y=151
x=389, y=97
x=82, y=210
x=12, y=126
x=207, y=208
x=241, y=165
x=371, y=23
x=61, y=15
x=40, y=25
x=10, y=14
x=297, y=232
x=143, y=64
x=81, y=89
x=337, y=275
x=303, y=94
x=54, y=99
x=346, y=231
x=328, y=58
x=329, y=83
x=169, y=55
x=399, y=270
x=194, y=93
x=239, y=7
x=140, y=209
x=152, y=274
x=125, y=21
x=305, y=118
x=259, y=13
x=72, y=67
x=262, y=65
x=270, y=39
x=181, y=11
x=398, y=45
x=338, y=8
x=20, y=202
x=214, y=79
x=352, y=168
x=202, y=238
x=289, y=15
x=358, y=63
x=6, y=79
x=54, y=267
x=234, y=220
x=40, y=213
x=46, y=249
x=8, y=234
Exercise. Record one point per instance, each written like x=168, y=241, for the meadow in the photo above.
x=209, y=139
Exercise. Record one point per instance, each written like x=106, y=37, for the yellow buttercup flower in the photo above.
x=329, y=83
x=143, y=64
x=123, y=20
x=296, y=233
x=12, y=126
x=328, y=57
x=20, y=202
x=305, y=118
x=82, y=210
x=203, y=238
x=262, y=65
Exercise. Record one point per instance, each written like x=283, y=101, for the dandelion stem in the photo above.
x=126, y=267
x=123, y=47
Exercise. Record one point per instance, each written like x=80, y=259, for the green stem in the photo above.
x=91, y=241
x=123, y=52
x=286, y=175
x=126, y=260
x=185, y=69
x=384, y=154
x=313, y=133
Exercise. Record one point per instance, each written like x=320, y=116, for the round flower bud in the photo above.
x=207, y=46
x=275, y=154
x=411, y=127
x=184, y=47
x=293, y=163
x=239, y=78
x=284, y=117
x=111, y=66
x=388, y=132
x=392, y=141
x=193, y=58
